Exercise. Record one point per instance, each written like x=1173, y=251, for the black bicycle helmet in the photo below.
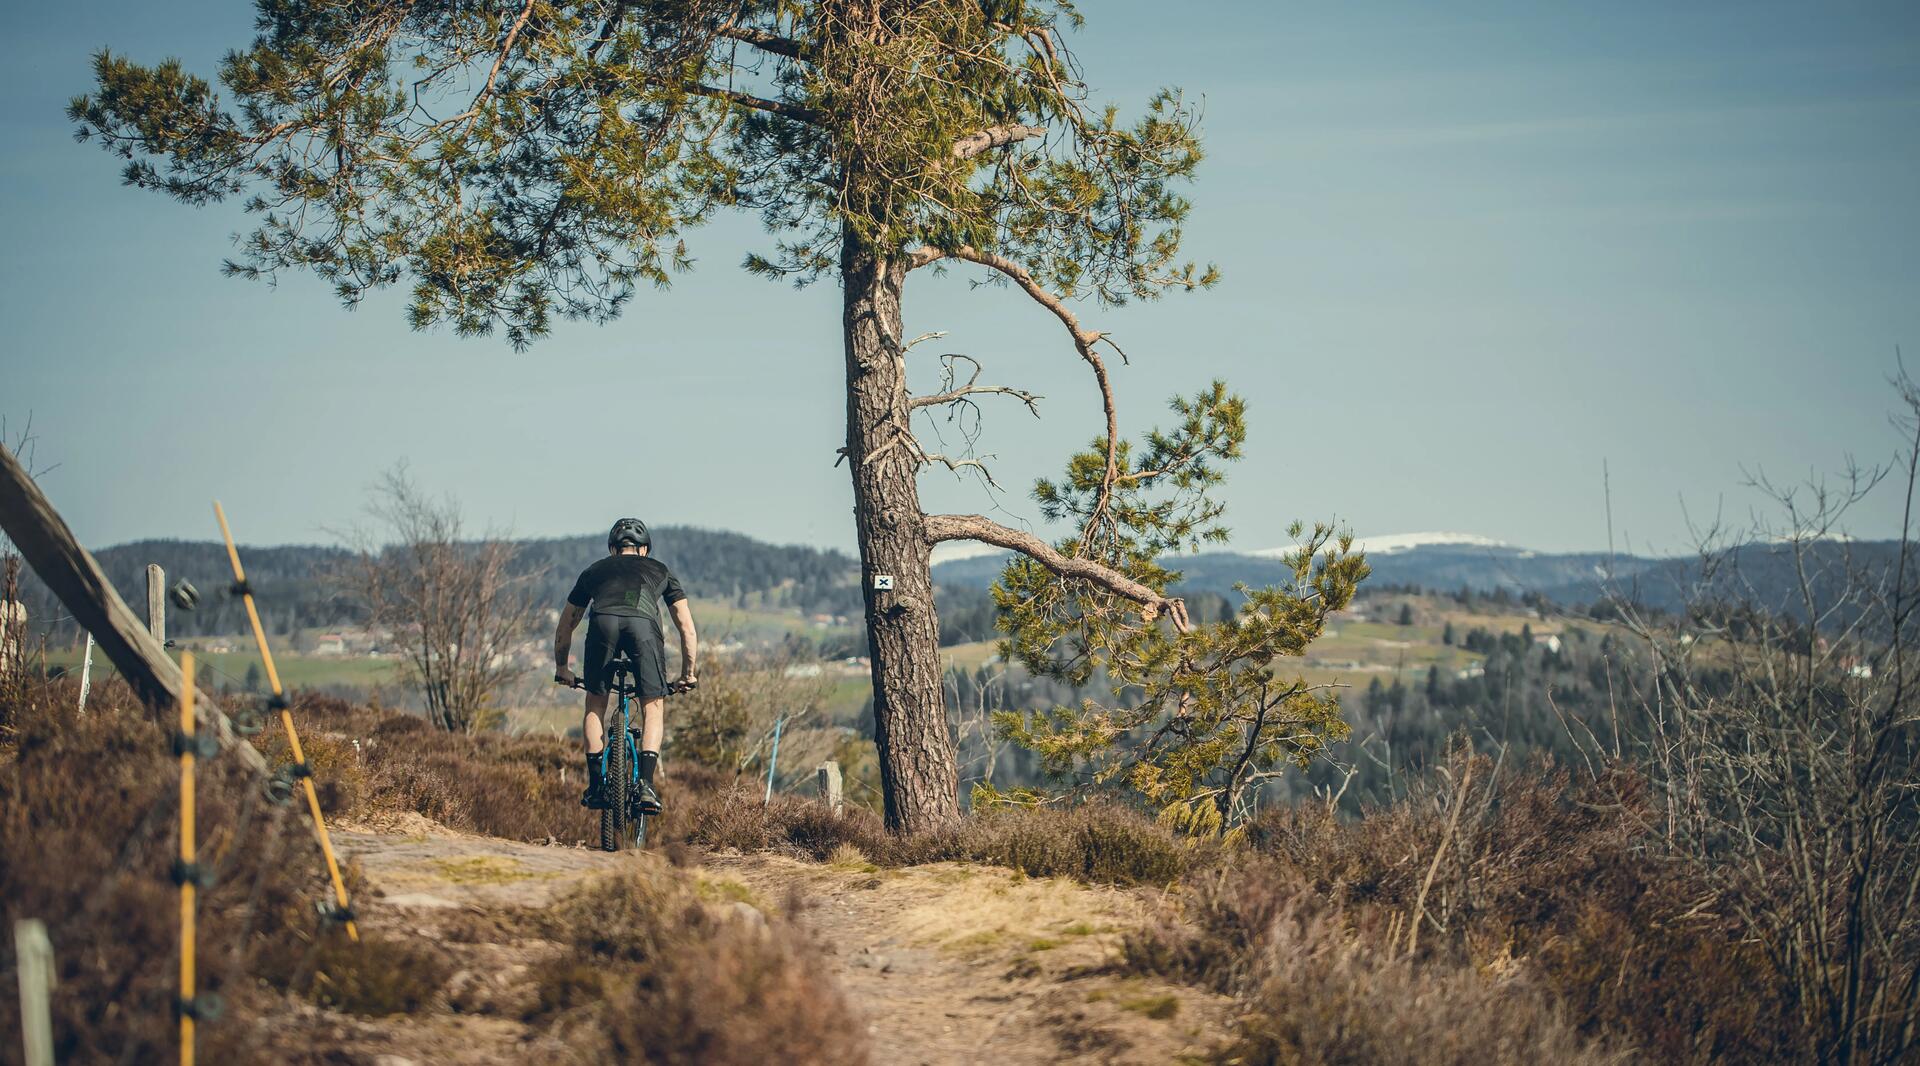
x=629, y=532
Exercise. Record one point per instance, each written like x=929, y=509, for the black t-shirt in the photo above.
x=629, y=585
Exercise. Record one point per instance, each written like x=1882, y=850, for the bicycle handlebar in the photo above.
x=674, y=688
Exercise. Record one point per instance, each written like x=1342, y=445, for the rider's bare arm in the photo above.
x=689, y=642
x=570, y=617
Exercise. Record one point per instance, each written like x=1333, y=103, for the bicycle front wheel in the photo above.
x=613, y=820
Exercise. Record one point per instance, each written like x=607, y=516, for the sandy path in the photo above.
x=944, y=964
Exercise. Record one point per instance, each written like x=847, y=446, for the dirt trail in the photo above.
x=945, y=964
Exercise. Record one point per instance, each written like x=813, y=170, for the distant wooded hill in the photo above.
x=1764, y=573
x=293, y=591
x=735, y=568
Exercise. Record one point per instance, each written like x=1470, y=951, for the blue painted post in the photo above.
x=773, y=760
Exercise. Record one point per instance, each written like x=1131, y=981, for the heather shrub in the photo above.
x=1539, y=875
x=518, y=787
x=1326, y=996
x=649, y=973
x=378, y=976
x=1098, y=843
x=87, y=841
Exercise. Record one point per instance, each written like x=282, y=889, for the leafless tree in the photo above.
x=1781, y=738
x=456, y=607
x=976, y=695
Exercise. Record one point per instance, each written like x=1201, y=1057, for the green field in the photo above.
x=224, y=669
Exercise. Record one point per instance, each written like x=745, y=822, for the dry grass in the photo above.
x=651, y=974
x=1097, y=843
x=1326, y=996
x=520, y=788
x=87, y=840
x=1547, y=911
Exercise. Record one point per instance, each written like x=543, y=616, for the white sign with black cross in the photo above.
x=883, y=582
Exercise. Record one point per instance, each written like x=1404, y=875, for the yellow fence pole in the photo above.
x=286, y=721
x=187, y=882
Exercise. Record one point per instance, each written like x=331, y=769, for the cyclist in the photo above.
x=624, y=591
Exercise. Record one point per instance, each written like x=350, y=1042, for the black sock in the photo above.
x=595, y=772
x=648, y=760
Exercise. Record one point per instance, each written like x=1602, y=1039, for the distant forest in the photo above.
x=293, y=590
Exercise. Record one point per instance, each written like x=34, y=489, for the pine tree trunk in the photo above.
x=917, y=772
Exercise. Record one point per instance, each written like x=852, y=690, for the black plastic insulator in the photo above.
x=277, y=702
x=249, y=720
x=278, y=788
x=240, y=588
x=205, y=1007
x=184, y=595
x=333, y=912
x=202, y=745
x=299, y=770
x=192, y=872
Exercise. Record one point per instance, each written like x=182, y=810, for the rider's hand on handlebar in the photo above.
x=686, y=683
x=564, y=676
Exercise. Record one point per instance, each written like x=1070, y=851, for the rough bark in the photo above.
x=917, y=770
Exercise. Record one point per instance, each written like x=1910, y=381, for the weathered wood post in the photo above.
x=829, y=775
x=35, y=954
x=157, y=603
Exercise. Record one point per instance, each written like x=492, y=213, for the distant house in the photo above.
x=1473, y=670
x=1549, y=641
x=330, y=644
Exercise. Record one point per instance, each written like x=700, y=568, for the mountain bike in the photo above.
x=623, y=824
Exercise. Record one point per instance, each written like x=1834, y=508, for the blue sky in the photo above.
x=1471, y=252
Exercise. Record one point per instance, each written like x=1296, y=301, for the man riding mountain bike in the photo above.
x=624, y=591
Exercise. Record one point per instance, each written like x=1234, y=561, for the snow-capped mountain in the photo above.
x=1399, y=542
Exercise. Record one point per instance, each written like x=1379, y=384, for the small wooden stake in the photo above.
x=86, y=673
x=35, y=954
x=829, y=776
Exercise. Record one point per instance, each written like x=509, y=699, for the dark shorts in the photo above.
x=609, y=635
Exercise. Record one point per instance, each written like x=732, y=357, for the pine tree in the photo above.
x=1200, y=715
x=517, y=160
x=1446, y=635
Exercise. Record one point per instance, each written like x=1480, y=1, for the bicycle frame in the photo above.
x=625, y=729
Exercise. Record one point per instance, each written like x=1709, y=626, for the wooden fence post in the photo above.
x=829, y=775
x=34, y=953
x=157, y=603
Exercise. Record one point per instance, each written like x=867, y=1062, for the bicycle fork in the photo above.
x=625, y=732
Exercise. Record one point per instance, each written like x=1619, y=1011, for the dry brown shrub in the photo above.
x=1097, y=843
x=651, y=974
x=87, y=840
x=1327, y=996
x=491, y=783
x=1543, y=875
